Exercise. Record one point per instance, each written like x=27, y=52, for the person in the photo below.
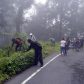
x=81, y=43
x=38, y=51
x=52, y=41
x=77, y=44
x=74, y=43
x=18, y=43
x=32, y=37
x=67, y=44
x=63, y=46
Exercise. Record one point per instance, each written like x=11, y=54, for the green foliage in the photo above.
x=48, y=48
x=3, y=77
x=2, y=53
x=24, y=36
x=19, y=61
x=14, y=64
x=57, y=47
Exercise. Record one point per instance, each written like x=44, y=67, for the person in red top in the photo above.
x=18, y=43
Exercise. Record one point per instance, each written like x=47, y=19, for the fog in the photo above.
x=44, y=18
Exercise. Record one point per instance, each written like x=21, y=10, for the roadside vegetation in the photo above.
x=12, y=63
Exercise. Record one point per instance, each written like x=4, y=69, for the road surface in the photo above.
x=60, y=70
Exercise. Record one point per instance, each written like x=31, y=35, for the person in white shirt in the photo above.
x=32, y=37
x=63, y=47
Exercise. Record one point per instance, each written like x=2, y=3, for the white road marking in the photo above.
x=37, y=71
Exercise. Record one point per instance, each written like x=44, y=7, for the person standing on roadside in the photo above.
x=67, y=45
x=63, y=47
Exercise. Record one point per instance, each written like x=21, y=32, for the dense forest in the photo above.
x=44, y=18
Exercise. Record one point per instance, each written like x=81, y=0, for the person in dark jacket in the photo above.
x=67, y=43
x=18, y=43
x=77, y=44
x=38, y=52
x=81, y=43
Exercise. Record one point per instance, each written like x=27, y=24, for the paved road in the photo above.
x=63, y=70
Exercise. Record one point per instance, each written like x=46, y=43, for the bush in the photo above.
x=3, y=77
x=19, y=61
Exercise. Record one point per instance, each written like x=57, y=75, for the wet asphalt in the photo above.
x=63, y=70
